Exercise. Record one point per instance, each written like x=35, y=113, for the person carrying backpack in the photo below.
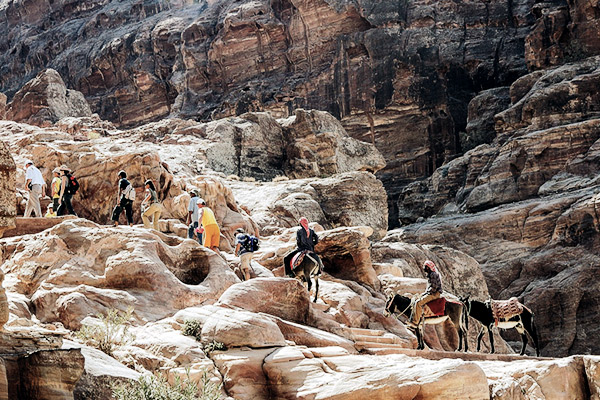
x=246, y=246
x=125, y=198
x=191, y=221
x=68, y=187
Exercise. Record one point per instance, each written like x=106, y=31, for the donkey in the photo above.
x=308, y=269
x=455, y=312
x=523, y=323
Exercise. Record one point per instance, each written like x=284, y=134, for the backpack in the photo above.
x=72, y=185
x=251, y=243
x=129, y=192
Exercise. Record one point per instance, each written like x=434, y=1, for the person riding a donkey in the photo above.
x=433, y=291
x=303, y=263
x=306, y=239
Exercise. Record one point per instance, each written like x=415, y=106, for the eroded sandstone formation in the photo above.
x=45, y=100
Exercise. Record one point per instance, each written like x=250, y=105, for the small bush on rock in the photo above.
x=110, y=334
x=192, y=327
x=156, y=387
x=212, y=346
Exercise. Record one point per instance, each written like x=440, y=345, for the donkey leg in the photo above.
x=527, y=320
x=491, y=334
x=479, y=337
x=316, y=288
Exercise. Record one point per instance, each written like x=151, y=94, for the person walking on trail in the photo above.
x=151, y=206
x=55, y=188
x=50, y=211
x=66, y=192
x=192, y=217
x=245, y=247
x=433, y=291
x=35, y=185
x=125, y=198
x=212, y=233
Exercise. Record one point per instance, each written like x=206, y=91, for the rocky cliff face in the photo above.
x=398, y=76
x=537, y=182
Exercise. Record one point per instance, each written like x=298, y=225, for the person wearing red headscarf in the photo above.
x=306, y=239
x=433, y=291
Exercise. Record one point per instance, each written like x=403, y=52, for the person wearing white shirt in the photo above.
x=35, y=184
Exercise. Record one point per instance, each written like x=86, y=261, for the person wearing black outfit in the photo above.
x=64, y=202
x=123, y=203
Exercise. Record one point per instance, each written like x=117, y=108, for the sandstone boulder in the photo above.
x=319, y=146
x=51, y=374
x=8, y=210
x=282, y=297
x=556, y=379
x=100, y=373
x=83, y=269
x=237, y=328
x=349, y=199
x=243, y=372
x=46, y=99
x=378, y=377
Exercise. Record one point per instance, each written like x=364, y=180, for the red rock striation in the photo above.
x=399, y=76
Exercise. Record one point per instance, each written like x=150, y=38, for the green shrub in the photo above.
x=156, y=387
x=212, y=346
x=192, y=327
x=112, y=333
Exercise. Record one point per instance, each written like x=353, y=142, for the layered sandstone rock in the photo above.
x=317, y=145
x=349, y=199
x=45, y=99
x=8, y=171
x=285, y=298
x=88, y=269
x=398, y=77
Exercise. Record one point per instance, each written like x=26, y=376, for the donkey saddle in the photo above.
x=505, y=309
x=297, y=259
x=435, y=308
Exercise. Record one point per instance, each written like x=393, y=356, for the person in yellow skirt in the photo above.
x=56, y=186
x=212, y=233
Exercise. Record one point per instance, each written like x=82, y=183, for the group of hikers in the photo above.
x=200, y=220
x=62, y=188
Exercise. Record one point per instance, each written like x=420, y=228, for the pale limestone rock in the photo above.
x=236, y=328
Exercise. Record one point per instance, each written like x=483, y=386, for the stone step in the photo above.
x=365, y=332
x=377, y=339
x=373, y=345
x=439, y=355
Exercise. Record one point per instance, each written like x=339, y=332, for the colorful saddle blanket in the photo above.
x=506, y=309
x=298, y=258
x=435, y=308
